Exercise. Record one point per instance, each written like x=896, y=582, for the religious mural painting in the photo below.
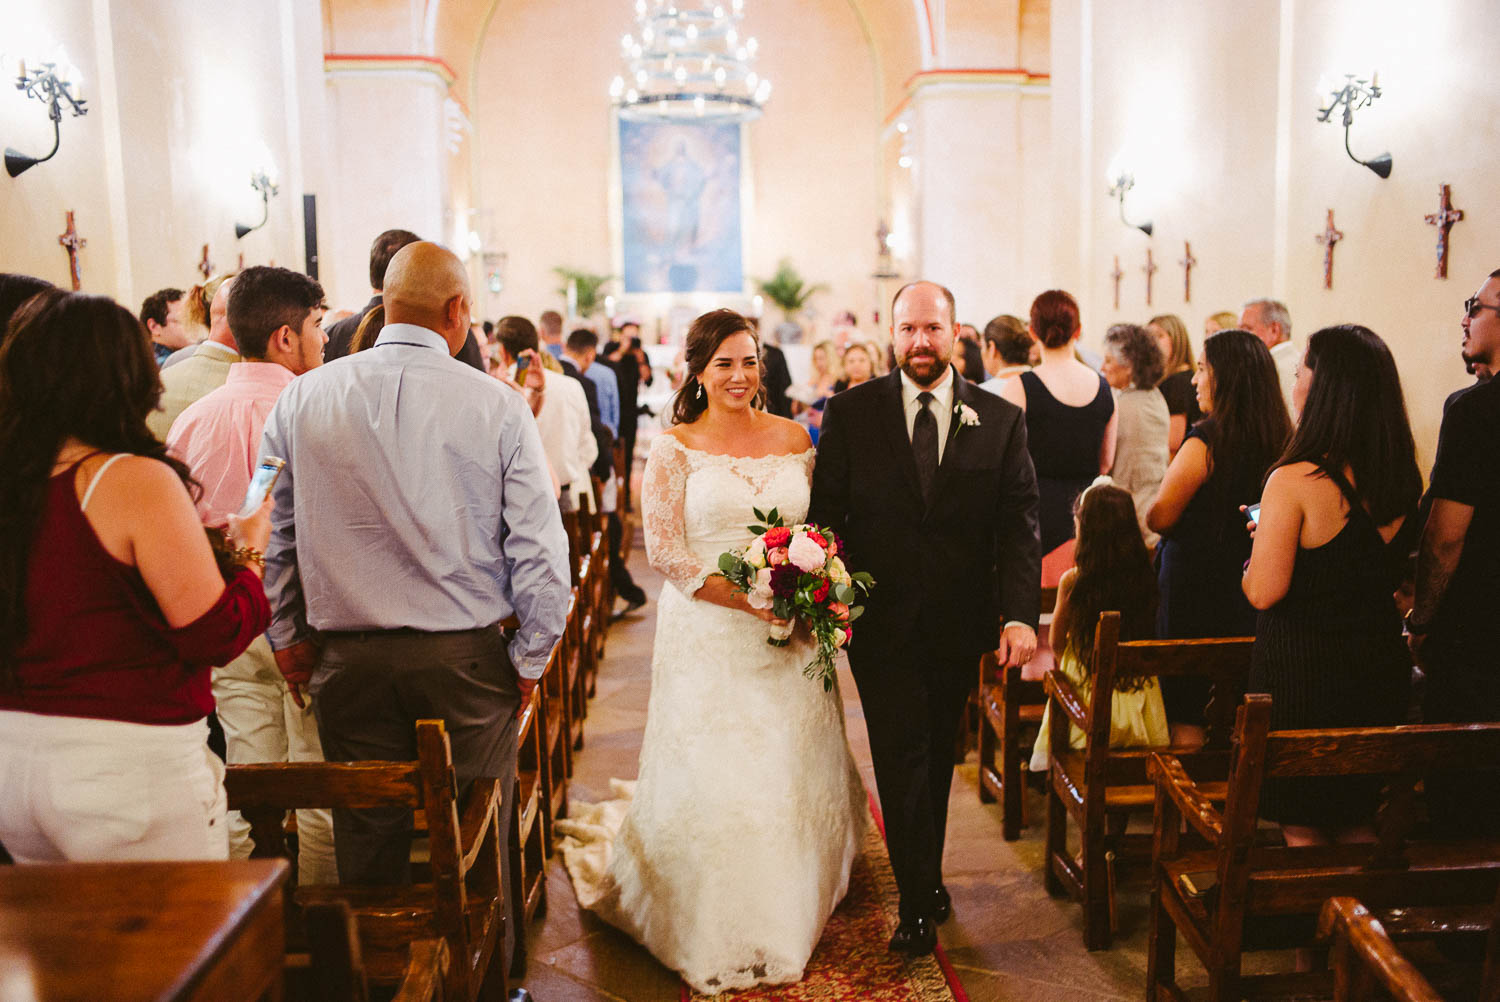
x=681, y=227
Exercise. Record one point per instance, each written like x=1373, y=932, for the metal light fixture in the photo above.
x=263, y=181
x=1352, y=95
x=689, y=62
x=1121, y=180
x=51, y=85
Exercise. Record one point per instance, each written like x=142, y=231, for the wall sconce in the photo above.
x=49, y=85
x=1121, y=180
x=1353, y=95
x=264, y=182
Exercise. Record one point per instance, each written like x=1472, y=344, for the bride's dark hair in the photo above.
x=703, y=339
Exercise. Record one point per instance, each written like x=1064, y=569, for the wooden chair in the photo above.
x=461, y=902
x=526, y=842
x=1238, y=895
x=333, y=969
x=580, y=622
x=1364, y=957
x=1009, y=710
x=1100, y=784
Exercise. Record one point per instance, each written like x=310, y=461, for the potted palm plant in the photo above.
x=586, y=287
x=790, y=292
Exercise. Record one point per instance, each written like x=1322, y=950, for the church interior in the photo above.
x=1148, y=156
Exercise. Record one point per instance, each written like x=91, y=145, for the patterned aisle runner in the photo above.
x=851, y=961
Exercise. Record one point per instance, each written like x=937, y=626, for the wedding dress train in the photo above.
x=733, y=847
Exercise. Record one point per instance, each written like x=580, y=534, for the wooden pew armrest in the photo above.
x=1172, y=779
x=479, y=813
x=1358, y=938
x=1061, y=691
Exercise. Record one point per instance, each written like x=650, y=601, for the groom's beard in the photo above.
x=924, y=370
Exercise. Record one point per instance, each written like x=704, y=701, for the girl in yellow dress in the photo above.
x=1112, y=572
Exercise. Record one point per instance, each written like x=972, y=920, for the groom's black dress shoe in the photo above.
x=942, y=906
x=914, y=937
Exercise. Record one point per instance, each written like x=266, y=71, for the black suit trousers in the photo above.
x=913, y=701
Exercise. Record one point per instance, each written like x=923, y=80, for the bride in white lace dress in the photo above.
x=735, y=844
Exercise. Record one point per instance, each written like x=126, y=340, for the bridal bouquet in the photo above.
x=797, y=573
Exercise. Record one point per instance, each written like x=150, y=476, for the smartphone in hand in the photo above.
x=260, y=485
x=522, y=364
x=1252, y=514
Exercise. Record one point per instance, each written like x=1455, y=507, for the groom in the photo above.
x=927, y=479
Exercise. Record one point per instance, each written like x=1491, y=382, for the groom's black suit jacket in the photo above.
x=948, y=573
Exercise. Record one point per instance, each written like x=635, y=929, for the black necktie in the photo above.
x=924, y=444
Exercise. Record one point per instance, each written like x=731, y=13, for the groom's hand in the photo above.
x=1017, y=645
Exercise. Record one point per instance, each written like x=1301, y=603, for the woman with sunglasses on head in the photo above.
x=112, y=608
x=1331, y=541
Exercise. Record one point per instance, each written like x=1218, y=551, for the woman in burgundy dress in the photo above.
x=112, y=608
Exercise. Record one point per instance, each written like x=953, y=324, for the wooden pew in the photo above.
x=1238, y=895
x=556, y=736
x=1009, y=709
x=333, y=969
x=461, y=903
x=529, y=826
x=1364, y=956
x=1100, y=784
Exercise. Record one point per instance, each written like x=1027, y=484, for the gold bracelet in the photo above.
x=248, y=555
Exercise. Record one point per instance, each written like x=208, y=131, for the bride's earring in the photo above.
x=700, y=393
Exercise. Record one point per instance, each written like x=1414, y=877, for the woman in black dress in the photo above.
x=1219, y=468
x=1335, y=526
x=1177, y=383
x=1070, y=416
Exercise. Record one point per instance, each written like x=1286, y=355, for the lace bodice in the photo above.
x=696, y=505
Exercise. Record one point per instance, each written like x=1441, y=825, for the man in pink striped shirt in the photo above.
x=274, y=314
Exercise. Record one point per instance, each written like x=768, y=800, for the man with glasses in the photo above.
x=1451, y=626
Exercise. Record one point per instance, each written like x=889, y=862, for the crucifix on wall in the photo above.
x=1187, y=263
x=205, y=266
x=1328, y=238
x=1117, y=274
x=73, y=243
x=1150, y=268
x=1443, y=219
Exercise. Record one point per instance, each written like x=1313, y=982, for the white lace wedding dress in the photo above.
x=729, y=853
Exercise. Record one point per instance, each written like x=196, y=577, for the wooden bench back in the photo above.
x=263, y=792
x=1224, y=660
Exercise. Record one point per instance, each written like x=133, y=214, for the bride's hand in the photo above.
x=769, y=616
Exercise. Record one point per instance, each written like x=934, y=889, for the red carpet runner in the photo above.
x=851, y=961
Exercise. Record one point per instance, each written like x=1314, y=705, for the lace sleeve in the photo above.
x=663, y=490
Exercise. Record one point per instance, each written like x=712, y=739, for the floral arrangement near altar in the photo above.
x=798, y=573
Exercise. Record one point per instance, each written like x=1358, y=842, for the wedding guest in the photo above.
x=822, y=383
x=1177, y=377
x=1271, y=321
x=968, y=355
x=275, y=314
x=1132, y=367
x=1071, y=424
x=1330, y=548
x=1452, y=623
x=114, y=608
x=1006, y=351
x=563, y=421
x=1112, y=573
x=197, y=317
x=1221, y=321
x=1219, y=468
x=202, y=372
x=162, y=315
x=859, y=365
x=368, y=330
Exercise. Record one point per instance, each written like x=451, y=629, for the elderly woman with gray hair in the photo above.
x=1133, y=367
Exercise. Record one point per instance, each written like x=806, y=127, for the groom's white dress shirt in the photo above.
x=942, y=405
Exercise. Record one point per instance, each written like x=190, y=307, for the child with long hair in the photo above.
x=1112, y=572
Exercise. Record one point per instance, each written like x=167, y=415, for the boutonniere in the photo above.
x=967, y=416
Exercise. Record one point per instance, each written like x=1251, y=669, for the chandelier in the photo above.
x=689, y=61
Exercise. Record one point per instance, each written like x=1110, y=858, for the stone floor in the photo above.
x=1007, y=938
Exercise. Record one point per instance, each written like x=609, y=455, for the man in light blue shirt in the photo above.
x=414, y=514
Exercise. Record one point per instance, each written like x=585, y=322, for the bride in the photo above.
x=738, y=840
